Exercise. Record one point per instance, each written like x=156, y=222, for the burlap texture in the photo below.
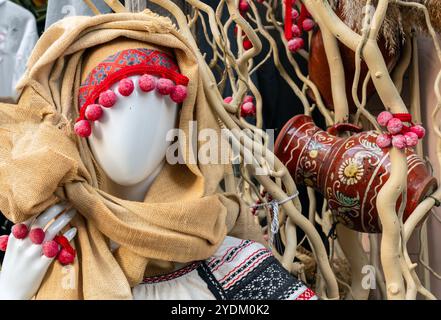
x=42, y=162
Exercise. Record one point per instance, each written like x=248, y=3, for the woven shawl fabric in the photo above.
x=42, y=162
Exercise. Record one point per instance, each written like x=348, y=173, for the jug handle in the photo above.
x=342, y=127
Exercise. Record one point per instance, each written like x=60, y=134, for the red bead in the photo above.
x=418, y=130
x=228, y=100
x=4, y=242
x=93, y=112
x=384, y=140
x=248, y=109
x=399, y=141
x=247, y=44
x=65, y=257
x=164, y=86
x=296, y=32
x=37, y=235
x=248, y=99
x=83, y=128
x=20, y=231
x=394, y=125
x=308, y=24
x=384, y=117
x=147, y=83
x=244, y=5
x=294, y=14
x=295, y=44
x=411, y=139
x=179, y=93
x=126, y=87
x=50, y=249
x=107, y=98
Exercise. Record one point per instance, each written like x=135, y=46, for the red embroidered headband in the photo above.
x=94, y=92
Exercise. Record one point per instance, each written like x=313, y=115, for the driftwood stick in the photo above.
x=393, y=188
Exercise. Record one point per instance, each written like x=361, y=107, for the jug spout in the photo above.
x=304, y=149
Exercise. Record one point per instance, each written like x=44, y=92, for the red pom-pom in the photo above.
x=248, y=99
x=399, y=141
x=179, y=93
x=4, y=242
x=295, y=44
x=248, y=109
x=308, y=24
x=411, y=139
x=244, y=5
x=93, y=112
x=65, y=257
x=384, y=140
x=294, y=14
x=107, y=98
x=126, y=87
x=164, y=86
x=296, y=32
x=247, y=44
x=228, y=100
x=384, y=117
x=20, y=231
x=83, y=128
x=394, y=125
x=418, y=130
x=50, y=249
x=147, y=83
x=37, y=235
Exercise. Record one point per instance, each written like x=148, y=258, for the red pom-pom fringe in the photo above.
x=20, y=231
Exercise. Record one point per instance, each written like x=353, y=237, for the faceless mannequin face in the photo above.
x=129, y=141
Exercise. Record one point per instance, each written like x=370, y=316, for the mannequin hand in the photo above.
x=25, y=265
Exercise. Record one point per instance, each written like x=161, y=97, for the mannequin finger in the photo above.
x=59, y=224
x=70, y=234
x=49, y=214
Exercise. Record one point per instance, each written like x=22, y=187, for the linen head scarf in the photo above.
x=42, y=161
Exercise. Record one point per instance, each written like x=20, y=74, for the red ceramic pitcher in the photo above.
x=349, y=172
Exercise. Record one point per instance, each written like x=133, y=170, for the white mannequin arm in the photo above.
x=25, y=265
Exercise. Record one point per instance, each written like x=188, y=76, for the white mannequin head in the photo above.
x=129, y=141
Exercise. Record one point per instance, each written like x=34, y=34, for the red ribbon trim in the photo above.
x=128, y=71
x=288, y=19
x=405, y=117
x=64, y=243
x=303, y=15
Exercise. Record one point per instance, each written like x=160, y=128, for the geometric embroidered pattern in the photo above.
x=308, y=294
x=245, y=270
x=269, y=281
x=178, y=273
x=123, y=64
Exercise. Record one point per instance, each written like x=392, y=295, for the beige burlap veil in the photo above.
x=42, y=161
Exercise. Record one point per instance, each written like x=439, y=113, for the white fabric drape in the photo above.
x=18, y=35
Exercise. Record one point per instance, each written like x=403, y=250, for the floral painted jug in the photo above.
x=349, y=172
